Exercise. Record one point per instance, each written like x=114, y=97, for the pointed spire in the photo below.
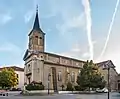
x=36, y=8
x=36, y=25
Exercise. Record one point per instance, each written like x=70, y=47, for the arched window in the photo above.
x=36, y=36
x=73, y=77
x=41, y=41
x=59, y=76
x=28, y=67
x=36, y=40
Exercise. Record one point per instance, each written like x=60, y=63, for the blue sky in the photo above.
x=64, y=23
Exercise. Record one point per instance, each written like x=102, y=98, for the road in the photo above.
x=66, y=96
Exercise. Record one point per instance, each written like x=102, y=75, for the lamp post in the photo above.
x=108, y=66
x=48, y=82
x=108, y=82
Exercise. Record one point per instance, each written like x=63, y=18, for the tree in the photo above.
x=4, y=78
x=90, y=77
x=8, y=78
x=13, y=77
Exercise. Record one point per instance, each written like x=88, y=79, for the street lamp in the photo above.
x=48, y=82
x=108, y=66
x=108, y=82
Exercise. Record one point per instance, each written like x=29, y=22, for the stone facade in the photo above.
x=38, y=69
x=48, y=68
x=113, y=74
x=44, y=67
x=118, y=82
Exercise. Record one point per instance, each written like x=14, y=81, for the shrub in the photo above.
x=29, y=87
x=35, y=86
x=78, y=88
x=69, y=87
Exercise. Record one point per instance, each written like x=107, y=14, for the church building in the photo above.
x=51, y=69
x=45, y=67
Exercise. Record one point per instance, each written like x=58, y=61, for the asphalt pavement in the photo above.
x=66, y=96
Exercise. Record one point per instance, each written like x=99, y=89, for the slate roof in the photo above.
x=101, y=64
x=36, y=26
x=105, y=62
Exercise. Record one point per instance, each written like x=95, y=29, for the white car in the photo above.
x=104, y=90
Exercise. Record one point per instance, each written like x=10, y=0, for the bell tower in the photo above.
x=36, y=36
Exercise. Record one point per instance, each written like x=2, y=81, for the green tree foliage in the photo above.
x=8, y=78
x=13, y=77
x=35, y=86
x=90, y=77
x=4, y=78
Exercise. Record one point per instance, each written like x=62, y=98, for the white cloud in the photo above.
x=72, y=23
x=12, y=53
x=112, y=52
x=76, y=48
x=75, y=51
x=28, y=16
x=4, y=18
x=114, y=56
x=9, y=47
x=71, y=19
x=86, y=55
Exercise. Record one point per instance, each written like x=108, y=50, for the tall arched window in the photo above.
x=73, y=77
x=59, y=76
x=29, y=68
x=40, y=41
x=35, y=40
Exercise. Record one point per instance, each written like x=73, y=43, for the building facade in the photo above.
x=50, y=69
x=20, y=74
x=118, y=82
x=44, y=67
x=112, y=74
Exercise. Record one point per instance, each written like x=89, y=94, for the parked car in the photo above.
x=104, y=90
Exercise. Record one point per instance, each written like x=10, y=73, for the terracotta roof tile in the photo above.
x=15, y=68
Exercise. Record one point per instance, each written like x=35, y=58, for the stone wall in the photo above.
x=113, y=75
x=66, y=74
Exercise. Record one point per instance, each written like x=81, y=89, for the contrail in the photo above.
x=110, y=28
x=86, y=5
